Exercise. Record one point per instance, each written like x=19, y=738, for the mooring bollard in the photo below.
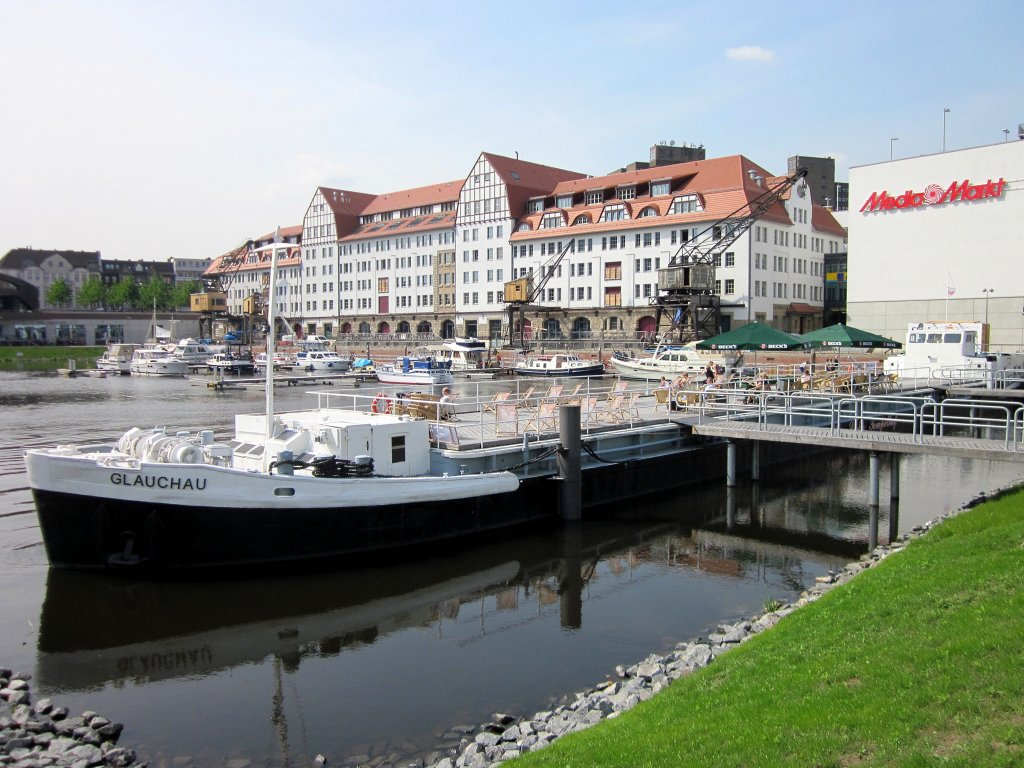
x=570, y=488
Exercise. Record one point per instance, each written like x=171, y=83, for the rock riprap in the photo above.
x=40, y=735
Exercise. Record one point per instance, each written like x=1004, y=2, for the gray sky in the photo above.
x=158, y=129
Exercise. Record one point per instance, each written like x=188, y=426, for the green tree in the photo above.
x=123, y=294
x=59, y=293
x=92, y=293
x=157, y=292
x=181, y=295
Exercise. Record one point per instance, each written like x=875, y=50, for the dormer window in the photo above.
x=686, y=204
x=626, y=193
x=551, y=220
x=583, y=218
x=659, y=188
x=535, y=206
x=614, y=213
x=647, y=212
x=564, y=201
x=595, y=197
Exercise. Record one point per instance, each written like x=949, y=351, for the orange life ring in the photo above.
x=381, y=404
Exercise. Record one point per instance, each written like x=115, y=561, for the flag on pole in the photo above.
x=950, y=290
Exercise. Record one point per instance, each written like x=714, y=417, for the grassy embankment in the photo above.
x=918, y=661
x=47, y=358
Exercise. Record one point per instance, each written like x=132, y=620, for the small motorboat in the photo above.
x=562, y=364
x=156, y=361
x=416, y=370
x=117, y=359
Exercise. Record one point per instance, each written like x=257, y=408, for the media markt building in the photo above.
x=939, y=237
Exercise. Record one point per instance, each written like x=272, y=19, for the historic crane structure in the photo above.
x=687, y=306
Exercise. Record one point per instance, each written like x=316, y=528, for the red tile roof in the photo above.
x=445, y=192
x=823, y=221
x=524, y=180
x=724, y=185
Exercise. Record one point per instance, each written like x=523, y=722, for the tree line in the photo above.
x=122, y=295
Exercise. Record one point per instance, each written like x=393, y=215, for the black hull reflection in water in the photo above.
x=96, y=630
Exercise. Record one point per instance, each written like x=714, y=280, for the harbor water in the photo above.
x=396, y=659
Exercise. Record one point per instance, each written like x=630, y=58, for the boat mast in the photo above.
x=270, y=351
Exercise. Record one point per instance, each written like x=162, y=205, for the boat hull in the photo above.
x=589, y=370
x=98, y=515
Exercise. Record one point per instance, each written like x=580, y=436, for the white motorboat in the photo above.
x=191, y=352
x=281, y=361
x=558, y=365
x=416, y=371
x=669, y=361
x=321, y=360
x=156, y=361
x=464, y=354
x=117, y=358
x=949, y=350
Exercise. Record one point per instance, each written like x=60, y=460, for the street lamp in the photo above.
x=1006, y=134
x=945, y=111
x=988, y=292
x=890, y=145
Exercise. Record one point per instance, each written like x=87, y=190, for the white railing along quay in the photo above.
x=916, y=417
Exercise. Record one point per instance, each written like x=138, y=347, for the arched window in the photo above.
x=403, y=326
x=581, y=328
x=613, y=324
x=552, y=329
x=448, y=329
x=583, y=218
x=346, y=327
x=524, y=227
x=647, y=212
x=364, y=327
x=423, y=327
x=383, y=327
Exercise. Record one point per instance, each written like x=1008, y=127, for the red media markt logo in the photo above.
x=934, y=194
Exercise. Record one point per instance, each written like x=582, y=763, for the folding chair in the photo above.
x=661, y=398
x=499, y=397
x=545, y=419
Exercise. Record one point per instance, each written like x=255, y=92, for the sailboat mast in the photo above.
x=272, y=288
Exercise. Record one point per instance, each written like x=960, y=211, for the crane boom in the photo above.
x=687, y=298
x=521, y=293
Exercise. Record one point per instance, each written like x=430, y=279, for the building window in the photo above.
x=551, y=220
x=614, y=213
x=535, y=206
x=686, y=204
x=613, y=296
x=564, y=201
x=626, y=193
x=596, y=197
x=613, y=270
x=730, y=287
x=730, y=259
x=658, y=188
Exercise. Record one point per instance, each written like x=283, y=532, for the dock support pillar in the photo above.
x=570, y=487
x=873, y=479
x=730, y=463
x=894, y=476
x=755, y=461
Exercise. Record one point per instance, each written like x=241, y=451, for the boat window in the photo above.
x=284, y=491
x=951, y=338
x=934, y=338
x=971, y=337
x=397, y=449
x=917, y=338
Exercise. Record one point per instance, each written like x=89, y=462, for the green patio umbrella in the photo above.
x=840, y=335
x=755, y=336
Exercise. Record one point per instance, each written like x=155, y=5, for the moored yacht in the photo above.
x=117, y=358
x=156, y=361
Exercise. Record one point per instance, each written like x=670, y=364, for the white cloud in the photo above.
x=750, y=53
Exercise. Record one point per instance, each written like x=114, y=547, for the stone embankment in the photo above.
x=41, y=734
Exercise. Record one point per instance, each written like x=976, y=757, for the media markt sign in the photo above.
x=934, y=194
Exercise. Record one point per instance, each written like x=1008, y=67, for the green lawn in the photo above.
x=44, y=358
x=918, y=661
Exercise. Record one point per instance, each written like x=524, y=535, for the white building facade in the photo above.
x=939, y=237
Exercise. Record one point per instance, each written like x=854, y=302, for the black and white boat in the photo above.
x=558, y=365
